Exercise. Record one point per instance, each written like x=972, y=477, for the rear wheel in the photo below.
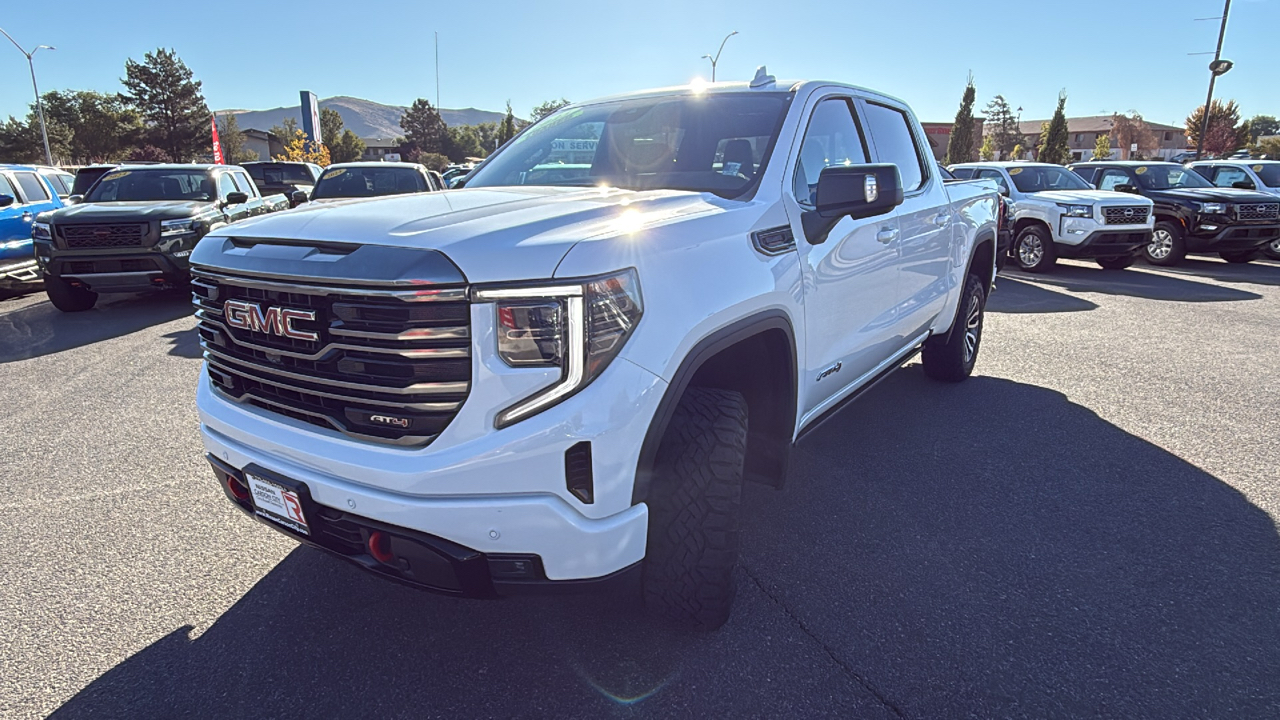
x=1033, y=251
x=951, y=357
x=1167, y=246
x=67, y=297
x=1239, y=258
x=1117, y=263
x=694, y=504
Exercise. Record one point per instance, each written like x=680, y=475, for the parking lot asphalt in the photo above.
x=1086, y=528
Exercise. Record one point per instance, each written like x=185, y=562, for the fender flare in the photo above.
x=707, y=348
x=984, y=236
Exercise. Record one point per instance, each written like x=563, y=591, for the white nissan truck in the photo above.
x=563, y=374
x=1057, y=214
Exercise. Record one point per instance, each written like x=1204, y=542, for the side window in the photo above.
x=1228, y=175
x=7, y=189
x=33, y=189
x=246, y=185
x=964, y=173
x=891, y=130
x=1084, y=172
x=225, y=185
x=832, y=138
x=989, y=174
x=1110, y=178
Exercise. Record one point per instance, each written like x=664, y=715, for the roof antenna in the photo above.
x=762, y=78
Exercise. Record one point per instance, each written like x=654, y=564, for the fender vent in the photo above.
x=577, y=472
x=774, y=241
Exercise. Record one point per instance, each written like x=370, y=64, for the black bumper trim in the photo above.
x=1233, y=238
x=1106, y=243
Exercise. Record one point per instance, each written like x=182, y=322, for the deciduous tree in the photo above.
x=285, y=130
x=163, y=91
x=1102, y=148
x=960, y=146
x=1225, y=134
x=1262, y=126
x=546, y=108
x=101, y=126
x=232, y=140
x=988, y=150
x=1131, y=129
x=348, y=148
x=300, y=149
x=1054, y=144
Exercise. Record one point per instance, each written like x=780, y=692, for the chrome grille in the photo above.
x=391, y=366
x=1125, y=215
x=1258, y=211
x=103, y=236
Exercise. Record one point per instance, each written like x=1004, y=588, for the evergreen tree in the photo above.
x=285, y=130
x=1004, y=126
x=162, y=90
x=988, y=150
x=330, y=126
x=507, y=129
x=1263, y=126
x=546, y=109
x=423, y=127
x=960, y=147
x=101, y=127
x=1054, y=142
x=232, y=141
x=347, y=148
x=1102, y=148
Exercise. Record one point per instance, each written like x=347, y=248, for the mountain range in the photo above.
x=365, y=118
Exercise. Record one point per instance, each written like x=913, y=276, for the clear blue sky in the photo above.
x=1110, y=55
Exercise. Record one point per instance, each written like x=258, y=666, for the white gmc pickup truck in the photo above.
x=1057, y=214
x=563, y=374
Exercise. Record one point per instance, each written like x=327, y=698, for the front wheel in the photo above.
x=1117, y=263
x=1272, y=249
x=694, y=504
x=68, y=298
x=1167, y=246
x=1239, y=258
x=951, y=357
x=1033, y=251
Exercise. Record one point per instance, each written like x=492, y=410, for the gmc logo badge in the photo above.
x=275, y=321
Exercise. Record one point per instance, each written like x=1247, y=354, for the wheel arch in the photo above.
x=746, y=356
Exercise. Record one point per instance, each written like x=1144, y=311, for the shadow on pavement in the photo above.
x=1258, y=272
x=38, y=328
x=1014, y=296
x=988, y=549
x=1133, y=283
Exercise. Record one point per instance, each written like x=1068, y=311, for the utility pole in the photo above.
x=716, y=59
x=437, y=71
x=1216, y=68
x=44, y=133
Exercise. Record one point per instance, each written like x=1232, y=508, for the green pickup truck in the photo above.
x=136, y=226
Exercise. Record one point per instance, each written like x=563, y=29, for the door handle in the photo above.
x=887, y=235
x=941, y=220
x=26, y=215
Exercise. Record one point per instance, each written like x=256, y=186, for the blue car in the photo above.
x=24, y=194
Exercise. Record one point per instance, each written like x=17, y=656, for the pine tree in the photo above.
x=960, y=146
x=423, y=127
x=1004, y=126
x=161, y=88
x=507, y=129
x=347, y=148
x=1102, y=148
x=232, y=141
x=1054, y=143
x=988, y=150
x=330, y=126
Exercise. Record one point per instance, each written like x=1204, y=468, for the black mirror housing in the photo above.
x=1243, y=185
x=1126, y=188
x=237, y=198
x=6, y=200
x=75, y=199
x=855, y=191
x=297, y=197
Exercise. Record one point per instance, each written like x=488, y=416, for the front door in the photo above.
x=16, y=217
x=850, y=279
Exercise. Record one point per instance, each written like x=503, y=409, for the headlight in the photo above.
x=1076, y=210
x=177, y=227
x=577, y=326
x=1213, y=208
x=41, y=231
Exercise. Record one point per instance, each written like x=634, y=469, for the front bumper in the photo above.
x=131, y=270
x=1229, y=238
x=1107, y=243
x=19, y=275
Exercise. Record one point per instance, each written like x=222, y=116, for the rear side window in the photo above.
x=831, y=139
x=246, y=185
x=988, y=174
x=1228, y=175
x=1111, y=178
x=7, y=189
x=895, y=144
x=32, y=189
x=964, y=173
x=1085, y=172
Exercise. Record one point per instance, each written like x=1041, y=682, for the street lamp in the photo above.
x=44, y=133
x=716, y=59
x=1216, y=68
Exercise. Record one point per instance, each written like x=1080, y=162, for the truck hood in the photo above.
x=491, y=234
x=1231, y=195
x=135, y=211
x=1088, y=197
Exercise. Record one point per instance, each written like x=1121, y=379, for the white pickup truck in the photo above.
x=1057, y=214
x=564, y=379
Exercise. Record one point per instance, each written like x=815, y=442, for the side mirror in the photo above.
x=237, y=198
x=6, y=200
x=75, y=199
x=1244, y=185
x=297, y=197
x=1004, y=190
x=856, y=191
x=1126, y=188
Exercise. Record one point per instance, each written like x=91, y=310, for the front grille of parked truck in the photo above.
x=1125, y=215
x=1258, y=211
x=103, y=236
x=387, y=365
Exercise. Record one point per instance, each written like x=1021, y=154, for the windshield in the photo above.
x=280, y=174
x=1268, y=173
x=143, y=185
x=1168, y=177
x=357, y=182
x=1039, y=178
x=707, y=143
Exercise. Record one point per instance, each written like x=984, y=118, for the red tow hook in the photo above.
x=379, y=545
x=238, y=490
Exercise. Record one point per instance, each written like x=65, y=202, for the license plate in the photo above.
x=277, y=503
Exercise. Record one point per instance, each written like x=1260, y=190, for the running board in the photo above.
x=877, y=375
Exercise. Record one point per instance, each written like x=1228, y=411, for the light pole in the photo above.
x=716, y=59
x=1216, y=68
x=44, y=133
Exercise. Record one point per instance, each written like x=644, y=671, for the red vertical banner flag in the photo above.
x=217, y=146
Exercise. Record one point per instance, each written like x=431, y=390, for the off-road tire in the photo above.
x=694, y=503
x=1240, y=258
x=1033, y=249
x=951, y=357
x=1177, y=249
x=1272, y=249
x=1117, y=263
x=67, y=298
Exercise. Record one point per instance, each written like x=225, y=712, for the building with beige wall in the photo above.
x=1083, y=135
